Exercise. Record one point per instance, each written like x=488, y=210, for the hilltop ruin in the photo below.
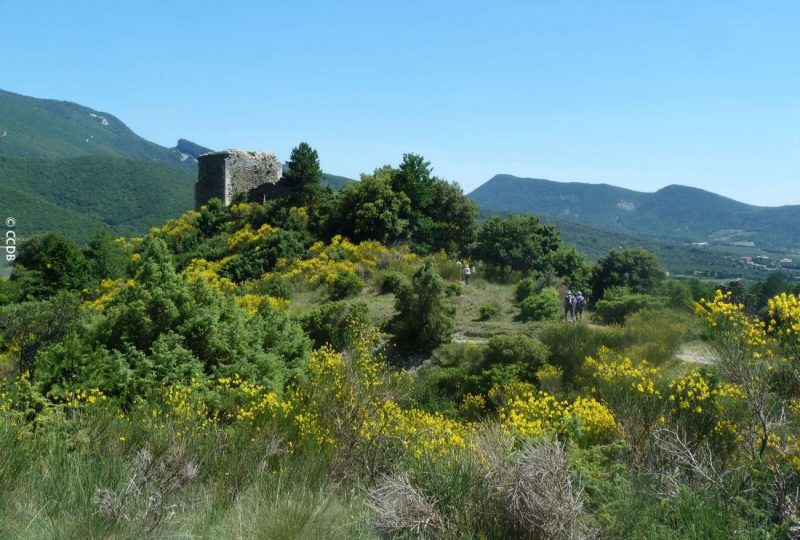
x=232, y=175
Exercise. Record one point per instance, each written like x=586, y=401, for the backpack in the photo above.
x=581, y=301
x=569, y=300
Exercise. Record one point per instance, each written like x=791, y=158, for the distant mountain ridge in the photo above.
x=674, y=213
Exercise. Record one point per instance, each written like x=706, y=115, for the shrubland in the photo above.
x=229, y=375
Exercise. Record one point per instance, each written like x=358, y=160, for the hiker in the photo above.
x=580, y=303
x=569, y=307
x=467, y=273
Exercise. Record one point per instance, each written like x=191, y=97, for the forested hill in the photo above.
x=46, y=128
x=677, y=213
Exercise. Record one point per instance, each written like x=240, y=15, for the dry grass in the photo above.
x=539, y=496
x=401, y=508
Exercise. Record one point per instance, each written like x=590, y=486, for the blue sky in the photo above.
x=637, y=94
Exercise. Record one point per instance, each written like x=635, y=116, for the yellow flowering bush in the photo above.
x=632, y=390
x=327, y=261
x=253, y=303
x=203, y=270
x=536, y=414
x=108, y=290
x=245, y=237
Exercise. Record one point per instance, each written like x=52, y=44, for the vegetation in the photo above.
x=247, y=368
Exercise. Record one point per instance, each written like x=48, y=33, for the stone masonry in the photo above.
x=233, y=174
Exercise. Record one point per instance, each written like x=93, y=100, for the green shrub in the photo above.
x=333, y=323
x=393, y=281
x=570, y=344
x=345, y=285
x=544, y=306
x=619, y=302
x=525, y=288
x=276, y=286
x=488, y=311
x=516, y=349
x=425, y=316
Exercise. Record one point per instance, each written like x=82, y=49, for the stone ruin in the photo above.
x=232, y=175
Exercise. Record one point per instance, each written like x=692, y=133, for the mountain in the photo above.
x=47, y=128
x=189, y=150
x=675, y=213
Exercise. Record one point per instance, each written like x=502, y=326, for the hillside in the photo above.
x=675, y=213
x=46, y=128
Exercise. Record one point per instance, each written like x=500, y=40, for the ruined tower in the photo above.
x=232, y=174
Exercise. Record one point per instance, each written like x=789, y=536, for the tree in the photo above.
x=425, y=316
x=304, y=175
x=569, y=264
x=516, y=244
x=452, y=219
x=29, y=327
x=105, y=257
x=414, y=179
x=371, y=210
x=636, y=268
x=53, y=264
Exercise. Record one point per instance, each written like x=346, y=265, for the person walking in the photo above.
x=467, y=274
x=569, y=307
x=580, y=303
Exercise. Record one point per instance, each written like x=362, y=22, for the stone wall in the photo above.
x=233, y=173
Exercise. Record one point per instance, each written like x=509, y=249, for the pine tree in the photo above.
x=304, y=176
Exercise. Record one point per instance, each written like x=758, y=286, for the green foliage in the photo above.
x=78, y=195
x=253, y=263
x=425, y=316
x=304, y=175
x=526, y=287
x=345, y=285
x=619, y=302
x=276, y=286
x=212, y=217
x=29, y=327
x=106, y=259
x=217, y=332
x=570, y=344
x=634, y=268
x=393, y=282
x=528, y=352
x=52, y=263
x=515, y=244
x=371, y=210
x=568, y=264
x=544, y=306
x=488, y=311
x=333, y=323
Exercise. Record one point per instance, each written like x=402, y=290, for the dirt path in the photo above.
x=697, y=352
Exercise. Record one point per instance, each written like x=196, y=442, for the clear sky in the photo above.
x=639, y=94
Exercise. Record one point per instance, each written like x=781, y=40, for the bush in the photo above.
x=544, y=306
x=334, y=322
x=345, y=285
x=516, y=349
x=393, y=281
x=488, y=311
x=425, y=316
x=570, y=344
x=525, y=288
x=276, y=286
x=619, y=302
